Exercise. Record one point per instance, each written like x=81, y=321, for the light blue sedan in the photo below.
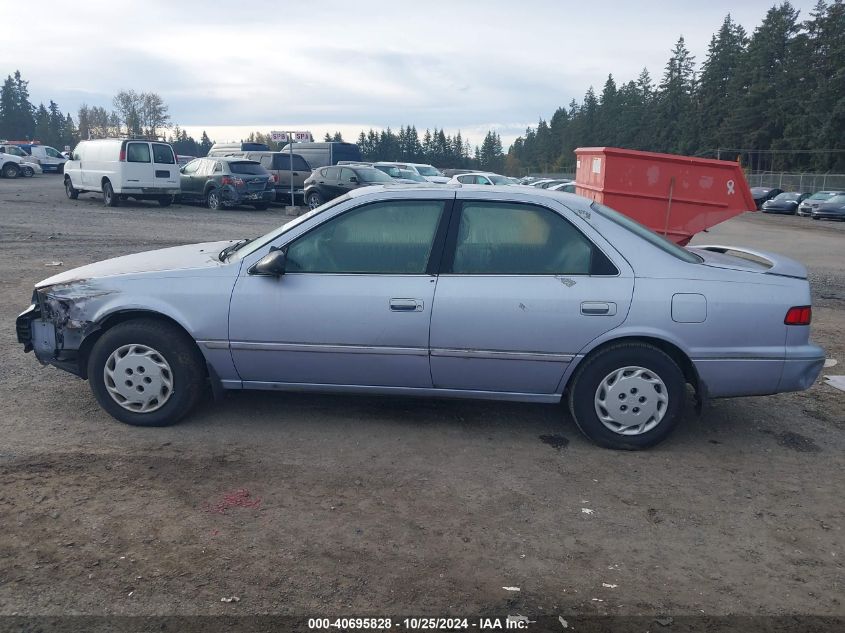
x=499, y=293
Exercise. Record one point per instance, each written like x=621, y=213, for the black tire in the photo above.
x=314, y=200
x=27, y=172
x=10, y=170
x=169, y=342
x=815, y=217
x=165, y=201
x=212, y=200
x=584, y=392
x=110, y=199
x=70, y=191
x=261, y=206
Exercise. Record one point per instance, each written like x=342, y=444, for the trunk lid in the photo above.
x=750, y=260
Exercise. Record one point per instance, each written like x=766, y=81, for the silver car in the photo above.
x=498, y=293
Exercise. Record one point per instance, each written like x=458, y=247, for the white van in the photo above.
x=48, y=157
x=123, y=168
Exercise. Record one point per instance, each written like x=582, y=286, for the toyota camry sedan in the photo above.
x=495, y=293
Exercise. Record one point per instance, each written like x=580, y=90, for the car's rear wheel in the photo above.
x=70, y=191
x=261, y=206
x=628, y=396
x=165, y=201
x=146, y=373
x=10, y=170
x=212, y=200
x=110, y=199
x=314, y=200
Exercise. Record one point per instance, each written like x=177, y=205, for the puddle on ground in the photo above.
x=555, y=441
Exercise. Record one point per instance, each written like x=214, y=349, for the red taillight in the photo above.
x=230, y=180
x=122, y=157
x=799, y=315
x=225, y=180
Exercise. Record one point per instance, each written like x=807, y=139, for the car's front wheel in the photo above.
x=110, y=199
x=314, y=200
x=628, y=396
x=70, y=191
x=261, y=206
x=165, y=201
x=146, y=372
x=10, y=170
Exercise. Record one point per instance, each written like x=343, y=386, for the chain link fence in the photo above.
x=806, y=182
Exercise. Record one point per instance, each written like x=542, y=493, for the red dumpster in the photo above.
x=676, y=196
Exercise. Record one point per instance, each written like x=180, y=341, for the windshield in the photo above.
x=499, y=180
x=258, y=242
x=840, y=199
x=647, y=234
x=427, y=170
x=788, y=196
x=368, y=174
x=15, y=151
x=411, y=175
x=822, y=195
x=247, y=167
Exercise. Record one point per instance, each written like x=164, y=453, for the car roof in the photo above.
x=233, y=159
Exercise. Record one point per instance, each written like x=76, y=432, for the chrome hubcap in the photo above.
x=631, y=400
x=138, y=378
x=313, y=202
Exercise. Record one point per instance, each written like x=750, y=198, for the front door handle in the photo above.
x=406, y=305
x=598, y=308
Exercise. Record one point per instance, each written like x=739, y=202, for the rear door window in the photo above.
x=163, y=154
x=138, y=153
x=281, y=161
x=496, y=238
x=332, y=173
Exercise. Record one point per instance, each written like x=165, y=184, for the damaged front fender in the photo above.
x=64, y=320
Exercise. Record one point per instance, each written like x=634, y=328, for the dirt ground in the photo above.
x=313, y=505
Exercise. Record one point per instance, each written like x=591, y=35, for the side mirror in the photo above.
x=353, y=179
x=271, y=265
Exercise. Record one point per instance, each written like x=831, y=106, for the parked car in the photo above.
x=480, y=178
x=428, y=172
x=50, y=159
x=322, y=154
x=10, y=164
x=30, y=169
x=786, y=202
x=224, y=149
x=278, y=164
x=567, y=186
x=833, y=209
x=403, y=176
x=227, y=181
x=539, y=297
x=816, y=200
x=121, y=169
x=546, y=184
x=761, y=194
x=327, y=183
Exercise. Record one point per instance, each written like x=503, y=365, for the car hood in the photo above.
x=831, y=206
x=187, y=257
x=774, y=204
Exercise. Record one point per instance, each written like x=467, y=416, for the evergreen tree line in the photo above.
x=774, y=99
x=133, y=114
x=436, y=148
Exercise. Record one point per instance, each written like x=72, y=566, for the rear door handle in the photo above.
x=598, y=308
x=406, y=305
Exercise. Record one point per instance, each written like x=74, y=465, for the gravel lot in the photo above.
x=315, y=505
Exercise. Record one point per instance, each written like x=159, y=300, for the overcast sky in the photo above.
x=233, y=67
